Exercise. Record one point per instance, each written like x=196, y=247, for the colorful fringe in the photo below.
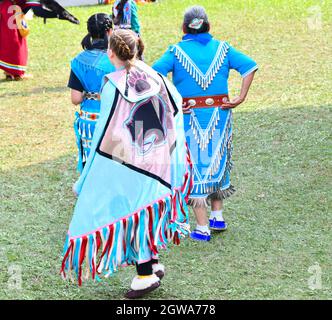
x=118, y=244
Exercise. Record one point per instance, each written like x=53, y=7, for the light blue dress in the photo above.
x=200, y=66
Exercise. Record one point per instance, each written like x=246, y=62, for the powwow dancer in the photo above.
x=87, y=72
x=200, y=65
x=14, y=32
x=133, y=190
x=125, y=15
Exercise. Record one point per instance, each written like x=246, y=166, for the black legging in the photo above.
x=145, y=269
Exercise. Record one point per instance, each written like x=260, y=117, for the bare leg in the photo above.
x=201, y=216
x=202, y=231
x=217, y=205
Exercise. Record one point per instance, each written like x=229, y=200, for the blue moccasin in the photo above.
x=200, y=236
x=217, y=225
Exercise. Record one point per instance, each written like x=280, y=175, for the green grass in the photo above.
x=279, y=220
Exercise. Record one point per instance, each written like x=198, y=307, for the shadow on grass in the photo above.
x=33, y=91
x=4, y=80
x=280, y=157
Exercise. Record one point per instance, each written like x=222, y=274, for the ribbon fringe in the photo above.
x=118, y=244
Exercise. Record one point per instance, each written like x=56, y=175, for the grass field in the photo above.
x=280, y=219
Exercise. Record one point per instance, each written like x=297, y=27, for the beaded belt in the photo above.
x=205, y=102
x=84, y=115
x=91, y=96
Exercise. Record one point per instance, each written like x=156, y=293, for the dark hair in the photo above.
x=140, y=48
x=117, y=19
x=196, y=12
x=98, y=26
x=126, y=45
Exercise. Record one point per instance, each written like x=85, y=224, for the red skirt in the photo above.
x=13, y=48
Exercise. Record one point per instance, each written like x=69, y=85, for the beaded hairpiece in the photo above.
x=196, y=23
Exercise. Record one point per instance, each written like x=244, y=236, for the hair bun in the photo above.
x=107, y=25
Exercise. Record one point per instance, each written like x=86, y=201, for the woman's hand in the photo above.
x=232, y=103
x=246, y=83
x=74, y=190
x=186, y=110
x=76, y=97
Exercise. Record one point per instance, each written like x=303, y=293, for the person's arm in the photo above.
x=76, y=97
x=246, y=83
x=165, y=64
x=76, y=89
x=247, y=68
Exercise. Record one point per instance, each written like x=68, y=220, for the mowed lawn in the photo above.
x=280, y=218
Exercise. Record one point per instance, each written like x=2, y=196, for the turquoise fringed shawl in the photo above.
x=130, y=207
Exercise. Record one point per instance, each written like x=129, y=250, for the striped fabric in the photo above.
x=12, y=66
